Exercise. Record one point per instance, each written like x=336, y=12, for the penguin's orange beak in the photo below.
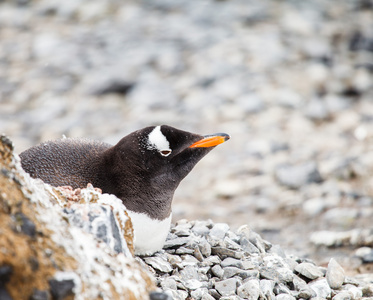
x=211, y=140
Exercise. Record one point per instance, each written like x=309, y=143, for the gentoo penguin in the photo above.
x=143, y=169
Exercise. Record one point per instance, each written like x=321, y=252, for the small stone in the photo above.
x=335, y=274
x=306, y=293
x=211, y=260
x=214, y=293
x=199, y=293
x=285, y=297
x=183, y=250
x=193, y=284
x=249, y=290
x=299, y=283
x=226, y=287
x=309, y=270
x=61, y=288
x=198, y=254
x=5, y=273
x=295, y=177
x=159, y=264
x=177, y=295
x=277, y=274
x=200, y=230
x=317, y=110
x=205, y=248
x=365, y=253
x=254, y=238
x=231, y=262
x=249, y=274
x=281, y=289
x=354, y=291
x=343, y=296
x=25, y=224
x=39, y=295
x=176, y=242
x=159, y=296
x=217, y=271
x=224, y=252
x=207, y=296
x=189, y=272
x=248, y=246
x=266, y=287
x=168, y=283
x=230, y=272
x=321, y=288
x=368, y=290
x=231, y=244
x=174, y=260
x=219, y=230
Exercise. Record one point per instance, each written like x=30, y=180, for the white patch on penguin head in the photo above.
x=157, y=141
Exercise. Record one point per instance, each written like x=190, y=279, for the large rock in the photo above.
x=48, y=253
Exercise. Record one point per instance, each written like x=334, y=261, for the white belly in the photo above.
x=150, y=234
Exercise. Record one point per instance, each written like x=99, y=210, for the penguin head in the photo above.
x=161, y=156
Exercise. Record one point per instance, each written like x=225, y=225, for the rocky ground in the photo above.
x=290, y=81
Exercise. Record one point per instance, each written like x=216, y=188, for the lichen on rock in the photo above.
x=44, y=252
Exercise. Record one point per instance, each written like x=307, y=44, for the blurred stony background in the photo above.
x=290, y=81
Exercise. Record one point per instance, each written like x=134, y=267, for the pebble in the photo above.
x=227, y=287
x=321, y=288
x=159, y=264
x=249, y=290
x=335, y=274
x=309, y=270
x=219, y=230
x=296, y=176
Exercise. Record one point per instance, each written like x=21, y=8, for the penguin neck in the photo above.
x=138, y=192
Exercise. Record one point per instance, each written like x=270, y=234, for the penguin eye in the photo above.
x=165, y=152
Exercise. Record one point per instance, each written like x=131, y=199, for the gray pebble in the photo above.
x=296, y=176
x=219, y=230
x=211, y=260
x=224, y=252
x=200, y=230
x=207, y=296
x=168, y=283
x=249, y=290
x=309, y=270
x=218, y=271
x=355, y=291
x=343, y=296
x=285, y=297
x=184, y=250
x=177, y=295
x=197, y=254
x=200, y=293
x=276, y=274
x=266, y=287
x=159, y=264
x=321, y=288
x=205, y=247
x=231, y=262
x=189, y=272
x=230, y=272
x=227, y=287
x=335, y=274
x=214, y=293
x=175, y=242
x=193, y=284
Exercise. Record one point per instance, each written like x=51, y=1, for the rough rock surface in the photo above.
x=46, y=253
